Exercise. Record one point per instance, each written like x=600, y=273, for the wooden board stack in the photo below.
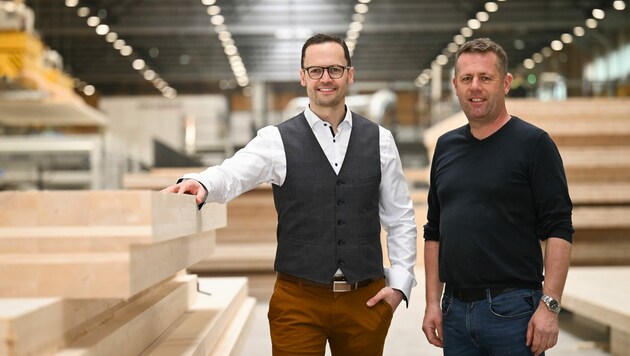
x=102, y=273
x=247, y=244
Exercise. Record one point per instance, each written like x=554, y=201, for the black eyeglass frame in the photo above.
x=326, y=69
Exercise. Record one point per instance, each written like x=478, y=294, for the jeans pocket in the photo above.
x=446, y=304
x=514, y=304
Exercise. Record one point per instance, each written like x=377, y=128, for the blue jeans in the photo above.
x=493, y=326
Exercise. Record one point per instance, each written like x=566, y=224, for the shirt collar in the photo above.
x=313, y=119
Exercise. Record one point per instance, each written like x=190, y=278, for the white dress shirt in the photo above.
x=263, y=160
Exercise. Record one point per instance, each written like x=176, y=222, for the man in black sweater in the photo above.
x=498, y=188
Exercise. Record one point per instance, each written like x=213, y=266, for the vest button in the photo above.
x=340, y=202
x=341, y=242
x=340, y=262
x=340, y=182
x=340, y=222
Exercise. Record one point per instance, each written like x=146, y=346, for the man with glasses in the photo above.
x=336, y=178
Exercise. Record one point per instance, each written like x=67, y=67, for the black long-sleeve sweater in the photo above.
x=491, y=201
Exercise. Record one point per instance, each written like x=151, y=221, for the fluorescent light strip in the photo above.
x=229, y=47
x=355, y=27
x=566, y=38
x=124, y=49
x=467, y=31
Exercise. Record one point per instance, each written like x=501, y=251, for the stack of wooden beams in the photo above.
x=102, y=273
x=248, y=244
x=593, y=136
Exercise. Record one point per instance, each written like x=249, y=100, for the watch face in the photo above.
x=552, y=304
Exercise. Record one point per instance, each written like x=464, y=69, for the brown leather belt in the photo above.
x=338, y=285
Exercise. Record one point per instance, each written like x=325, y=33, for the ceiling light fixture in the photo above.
x=229, y=46
x=356, y=26
x=458, y=40
x=567, y=38
x=124, y=49
x=599, y=14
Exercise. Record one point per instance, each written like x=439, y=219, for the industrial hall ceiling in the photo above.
x=127, y=47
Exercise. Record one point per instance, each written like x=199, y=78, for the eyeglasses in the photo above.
x=334, y=72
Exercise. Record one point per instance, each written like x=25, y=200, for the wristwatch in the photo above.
x=551, y=303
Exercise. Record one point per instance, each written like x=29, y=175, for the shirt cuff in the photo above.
x=400, y=279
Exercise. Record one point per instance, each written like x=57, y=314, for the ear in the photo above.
x=302, y=77
x=351, y=75
x=507, y=83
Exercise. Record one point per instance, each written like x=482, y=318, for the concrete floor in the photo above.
x=578, y=337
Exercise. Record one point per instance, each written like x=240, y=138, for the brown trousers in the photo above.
x=303, y=318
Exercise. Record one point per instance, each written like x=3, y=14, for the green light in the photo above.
x=531, y=79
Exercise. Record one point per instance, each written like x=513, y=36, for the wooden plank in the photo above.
x=600, y=249
x=231, y=342
x=252, y=218
x=157, y=178
x=595, y=109
x=146, y=181
x=238, y=257
x=578, y=122
x=198, y=330
x=584, y=193
x=601, y=164
x=87, y=221
x=131, y=330
x=417, y=176
x=601, y=217
x=100, y=275
x=252, y=215
x=619, y=343
x=419, y=196
x=600, y=294
x=34, y=326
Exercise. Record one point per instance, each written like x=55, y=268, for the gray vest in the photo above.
x=328, y=221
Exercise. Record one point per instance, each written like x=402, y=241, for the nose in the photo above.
x=475, y=82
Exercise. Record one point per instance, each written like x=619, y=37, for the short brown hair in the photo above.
x=484, y=45
x=322, y=38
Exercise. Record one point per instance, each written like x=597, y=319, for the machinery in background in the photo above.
x=34, y=90
x=38, y=108
x=28, y=69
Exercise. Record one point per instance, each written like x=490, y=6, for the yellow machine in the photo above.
x=24, y=60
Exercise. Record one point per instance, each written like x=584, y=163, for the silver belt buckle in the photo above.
x=341, y=286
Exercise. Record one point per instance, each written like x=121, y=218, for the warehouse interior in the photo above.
x=114, y=100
